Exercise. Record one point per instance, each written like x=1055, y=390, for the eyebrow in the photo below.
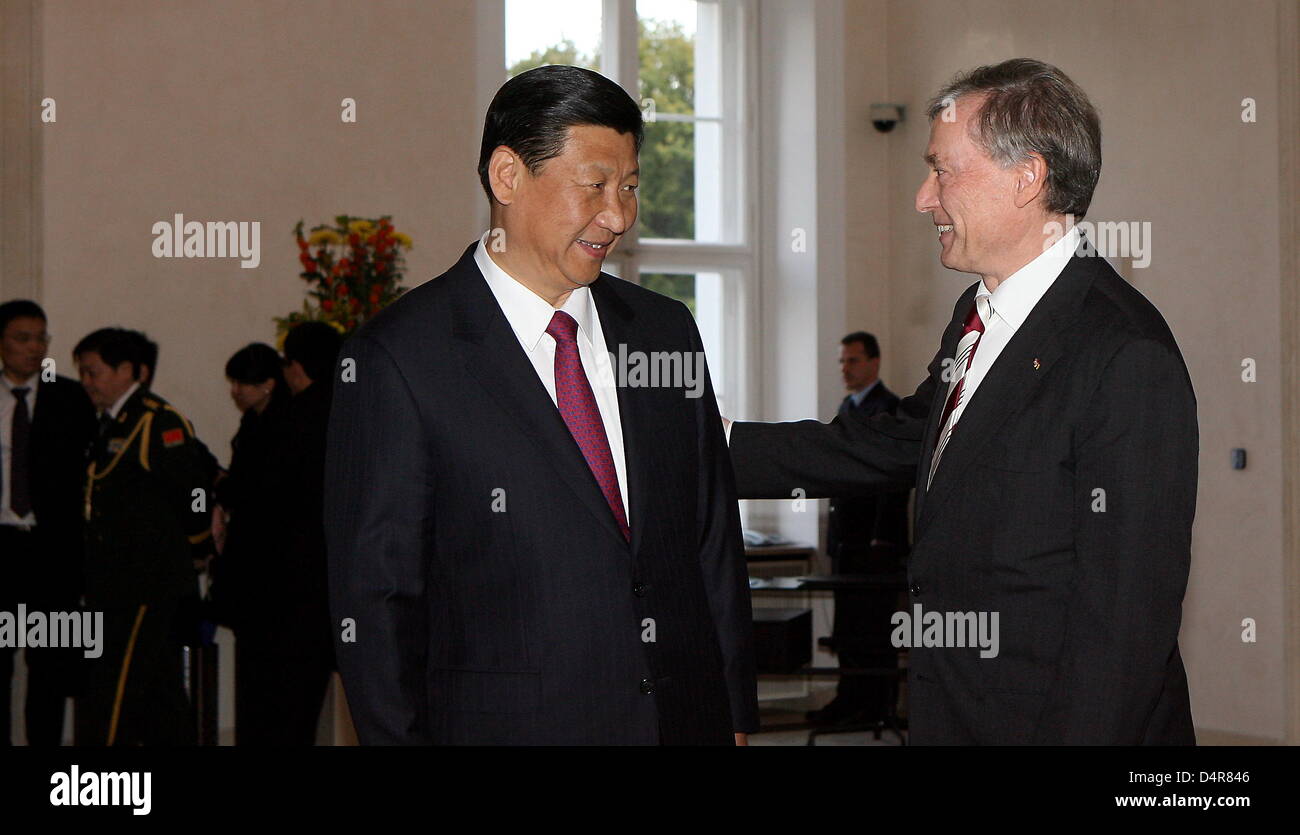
x=931, y=159
x=605, y=171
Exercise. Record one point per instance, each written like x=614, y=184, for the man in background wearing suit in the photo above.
x=864, y=536
x=522, y=549
x=1053, y=446
x=46, y=425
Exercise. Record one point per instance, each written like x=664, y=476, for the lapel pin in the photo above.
x=1037, y=364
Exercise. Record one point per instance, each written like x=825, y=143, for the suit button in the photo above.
x=916, y=589
x=647, y=687
x=639, y=589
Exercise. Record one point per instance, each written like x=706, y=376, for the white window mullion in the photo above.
x=620, y=61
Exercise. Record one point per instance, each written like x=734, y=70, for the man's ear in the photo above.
x=505, y=169
x=1031, y=180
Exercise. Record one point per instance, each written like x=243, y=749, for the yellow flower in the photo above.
x=360, y=227
x=402, y=239
x=323, y=237
x=338, y=326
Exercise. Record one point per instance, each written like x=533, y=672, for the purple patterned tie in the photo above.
x=577, y=406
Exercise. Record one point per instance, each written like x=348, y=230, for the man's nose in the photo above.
x=614, y=215
x=927, y=196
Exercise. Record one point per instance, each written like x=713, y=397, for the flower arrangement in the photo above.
x=354, y=269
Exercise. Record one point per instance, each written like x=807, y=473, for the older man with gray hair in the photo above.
x=1053, y=446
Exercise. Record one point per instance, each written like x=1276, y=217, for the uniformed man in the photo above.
x=146, y=506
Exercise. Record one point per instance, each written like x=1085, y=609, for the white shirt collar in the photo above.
x=529, y=314
x=1017, y=294
x=30, y=382
x=121, y=401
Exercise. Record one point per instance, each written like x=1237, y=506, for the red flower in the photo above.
x=327, y=305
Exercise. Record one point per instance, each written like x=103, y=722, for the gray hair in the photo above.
x=1031, y=107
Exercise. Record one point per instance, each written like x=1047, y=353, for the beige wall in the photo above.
x=1168, y=79
x=230, y=111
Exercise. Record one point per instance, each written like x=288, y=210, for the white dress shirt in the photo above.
x=8, y=402
x=529, y=315
x=1011, y=303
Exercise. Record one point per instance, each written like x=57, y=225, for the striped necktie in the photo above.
x=970, y=339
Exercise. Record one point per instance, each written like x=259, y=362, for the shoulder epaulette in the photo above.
x=188, y=426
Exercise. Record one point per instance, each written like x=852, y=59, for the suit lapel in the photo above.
x=618, y=322
x=1009, y=384
x=491, y=353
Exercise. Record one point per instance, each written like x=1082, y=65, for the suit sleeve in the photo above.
x=376, y=499
x=722, y=554
x=849, y=457
x=1139, y=445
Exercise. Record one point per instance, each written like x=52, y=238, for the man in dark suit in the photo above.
x=1053, y=446
x=527, y=545
x=865, y=535
x=46, y=425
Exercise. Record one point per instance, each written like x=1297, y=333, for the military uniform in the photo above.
x=145, y=527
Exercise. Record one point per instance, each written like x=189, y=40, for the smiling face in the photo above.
x=564, y=221
x=971, y=198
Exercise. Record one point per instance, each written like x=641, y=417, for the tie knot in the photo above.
x=20, y=392
x=563, y=327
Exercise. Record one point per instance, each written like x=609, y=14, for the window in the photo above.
x=686, y=62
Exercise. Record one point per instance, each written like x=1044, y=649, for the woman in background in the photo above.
x=248, y=530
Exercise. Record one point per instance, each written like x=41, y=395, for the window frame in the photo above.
x=738, y=262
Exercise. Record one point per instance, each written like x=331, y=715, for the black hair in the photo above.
x=869, y=343
x=256, y=363
x=19, y=309
x=146, y=352
x=531, y=114
x=315, y=346
x=118, y=345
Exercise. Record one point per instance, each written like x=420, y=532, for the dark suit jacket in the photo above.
x=1090, y=394
x=494, y=598
x=63, y=427
x=271, y=579
x=853, y=524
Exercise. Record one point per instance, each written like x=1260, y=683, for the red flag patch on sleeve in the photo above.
x=173, y=437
